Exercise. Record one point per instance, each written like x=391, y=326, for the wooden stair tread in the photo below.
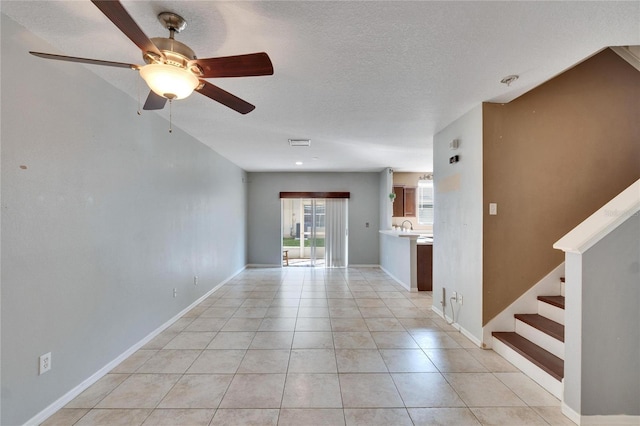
x=557, y=301
x=543, y=324
x=534, y=353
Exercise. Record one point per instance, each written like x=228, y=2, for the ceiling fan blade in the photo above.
x=85, y=60
x=253, y=64
x=114, y=10
x=154, y=101
x=225, y=98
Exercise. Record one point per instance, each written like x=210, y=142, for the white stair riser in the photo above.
x=561, y=288
x=552, y=312
x=541, y=339
x=540, y=376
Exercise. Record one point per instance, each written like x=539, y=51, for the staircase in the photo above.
x=537, y=345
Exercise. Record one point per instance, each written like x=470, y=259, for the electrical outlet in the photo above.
x=175, y=292
x=459, y=298
x=454, y=296
x=195, y=280
x=45, y=363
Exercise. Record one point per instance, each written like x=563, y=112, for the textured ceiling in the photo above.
x=369, y=83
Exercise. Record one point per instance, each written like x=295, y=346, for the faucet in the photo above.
x=410, y=224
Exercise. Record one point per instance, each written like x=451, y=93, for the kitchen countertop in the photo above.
x=422, y=238
x=428, y=241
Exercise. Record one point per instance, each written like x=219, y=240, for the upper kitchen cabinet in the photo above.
x=409, y=202
x=398, y=203
x=405, y=203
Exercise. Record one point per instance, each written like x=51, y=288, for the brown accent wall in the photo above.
x=550, y=159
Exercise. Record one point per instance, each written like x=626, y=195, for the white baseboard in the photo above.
x=406, y=286
x=610, y=420
x=367, y=265
x=270, y=265
x=466, y=333
x=445, y=317
x=572, y=415
x=437, y=311
x=259, y=265
x=69, y=396
x=471, y=337
x=619, y=419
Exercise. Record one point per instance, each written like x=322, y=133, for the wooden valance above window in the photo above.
x=315, y=195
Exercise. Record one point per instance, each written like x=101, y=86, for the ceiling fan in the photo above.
x=172, y=70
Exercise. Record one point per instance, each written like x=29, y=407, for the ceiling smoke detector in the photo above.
x=509, y=79
x=299, y=142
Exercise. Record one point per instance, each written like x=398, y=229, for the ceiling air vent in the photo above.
x=299, y=142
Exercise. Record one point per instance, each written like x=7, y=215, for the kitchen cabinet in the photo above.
x=398, y=203
x=405, y=203
x=409, y=202
x=425, y=267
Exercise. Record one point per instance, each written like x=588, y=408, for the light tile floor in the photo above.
x=312, y=346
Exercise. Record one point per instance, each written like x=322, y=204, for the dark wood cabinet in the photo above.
x=405, y=203
x=409, y=202
x=425, y=267
x=398, y=203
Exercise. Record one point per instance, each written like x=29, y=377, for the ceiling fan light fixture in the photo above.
x=169, y=81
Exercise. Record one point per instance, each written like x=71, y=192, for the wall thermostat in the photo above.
x=454, y=144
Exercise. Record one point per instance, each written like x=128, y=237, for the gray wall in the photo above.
x=457, y=228
x=103, y=214
x=264, y=212
x=396, y=257
x=386, y=206
x=611, y=323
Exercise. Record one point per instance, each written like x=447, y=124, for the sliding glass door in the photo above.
x=314, y=216
x=303, y=231
x=306, y=223
x=336, y=246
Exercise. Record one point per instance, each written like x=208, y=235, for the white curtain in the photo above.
x=335, y=254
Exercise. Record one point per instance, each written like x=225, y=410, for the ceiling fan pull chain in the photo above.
x=170, y=115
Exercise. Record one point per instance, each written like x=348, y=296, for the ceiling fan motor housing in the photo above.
x=175, y=53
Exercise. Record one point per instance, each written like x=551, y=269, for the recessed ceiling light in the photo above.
x=298, y=163
x=300, y=142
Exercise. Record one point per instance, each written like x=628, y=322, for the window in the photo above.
x=425, y=202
